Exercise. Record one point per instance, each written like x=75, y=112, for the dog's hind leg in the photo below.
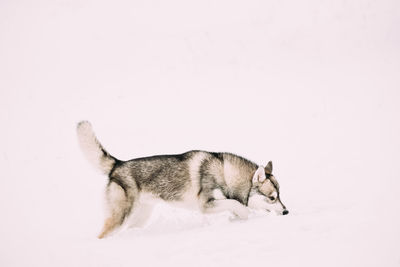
x=119, y=201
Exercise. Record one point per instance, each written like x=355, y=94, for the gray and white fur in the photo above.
x=210, y=182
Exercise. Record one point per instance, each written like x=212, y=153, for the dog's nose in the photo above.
x=285, y=212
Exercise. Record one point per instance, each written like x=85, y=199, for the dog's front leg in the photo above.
x=231, y=205
x=258, y=202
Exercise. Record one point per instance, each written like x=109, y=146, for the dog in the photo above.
x=207, y=181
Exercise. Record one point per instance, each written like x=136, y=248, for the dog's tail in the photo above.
x=93, y=150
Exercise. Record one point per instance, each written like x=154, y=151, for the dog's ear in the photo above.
x=268, y=168
x=259, y=175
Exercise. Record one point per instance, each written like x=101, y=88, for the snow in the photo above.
x=311, y=85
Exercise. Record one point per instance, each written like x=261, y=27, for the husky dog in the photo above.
x=210, y=182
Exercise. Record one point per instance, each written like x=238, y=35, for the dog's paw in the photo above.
x=242, y=212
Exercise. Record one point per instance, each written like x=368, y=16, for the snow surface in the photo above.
x=312, y=85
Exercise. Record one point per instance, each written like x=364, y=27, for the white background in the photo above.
x=311, y=85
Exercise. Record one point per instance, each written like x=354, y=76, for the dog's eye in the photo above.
x=271, y=198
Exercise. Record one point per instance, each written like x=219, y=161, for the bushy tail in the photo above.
x=92, y=148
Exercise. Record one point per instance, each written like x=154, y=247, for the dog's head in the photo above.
x=266, y=190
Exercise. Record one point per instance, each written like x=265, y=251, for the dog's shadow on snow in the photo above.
x=164, y=225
